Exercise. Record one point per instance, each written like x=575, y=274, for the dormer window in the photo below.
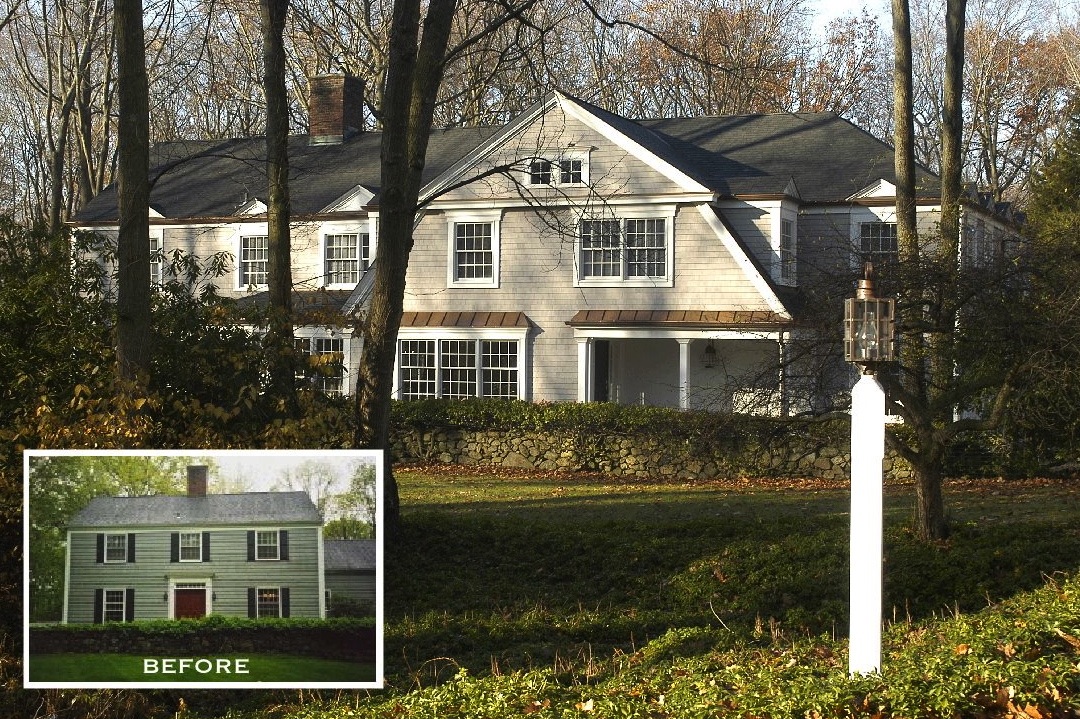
x=540, y=172
x=571, y=168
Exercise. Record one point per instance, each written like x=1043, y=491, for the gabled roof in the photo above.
x=248, y=509
x=349, y=555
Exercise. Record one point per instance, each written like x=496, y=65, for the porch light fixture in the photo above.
x=868, y=325
x=709, y=357
x=868, y=342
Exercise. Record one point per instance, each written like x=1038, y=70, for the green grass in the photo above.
x=112, y=668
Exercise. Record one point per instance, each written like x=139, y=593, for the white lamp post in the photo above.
x=868, y=341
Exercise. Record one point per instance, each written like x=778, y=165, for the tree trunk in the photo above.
x=930, y=522
x=279, y=341
x=133, y=153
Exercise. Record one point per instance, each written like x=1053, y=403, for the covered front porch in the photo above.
x=716, y=361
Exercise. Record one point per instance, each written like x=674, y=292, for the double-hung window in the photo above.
x=254, y=255
x=878, y=243
x=157, y=256
x=191, y=547
x=266, y=545
x=114, y=606
x=346, y=256
x=324, y=364
x=630, y=250
x=459, y=368
x=473, y=250
x=116, y=546
x=269, y=602
x=787, y=250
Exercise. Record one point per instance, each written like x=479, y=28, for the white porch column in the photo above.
x=684, y=373
x=785, y=410
x=867, y=453
x=584, y=369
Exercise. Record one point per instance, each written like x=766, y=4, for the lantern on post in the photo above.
x=868, y=325
x=868, y=341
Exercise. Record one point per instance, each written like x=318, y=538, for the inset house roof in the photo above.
x=249, y=509
x=349, y=555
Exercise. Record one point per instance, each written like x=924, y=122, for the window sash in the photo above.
x=116, y=547
x=620, y=249
x=787, y=249
x=346, y=257
x=191, y=547
x=113, y=605
x=474, y=255
x=254, y=258
x=268, y=602
x=417, y=367
x=540, y=172
x=266, y=545
x=878, y=241
x=570, y=171
x=646, y=248
x=458, y=376
x=600, y=241
x=156, y=258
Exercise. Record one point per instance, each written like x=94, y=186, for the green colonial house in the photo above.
x=257, y=554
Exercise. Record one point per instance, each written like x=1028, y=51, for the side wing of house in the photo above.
x=128, y=574
x=582, y=264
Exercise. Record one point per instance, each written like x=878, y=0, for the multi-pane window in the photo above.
x=621, y=249
x=417, y=365
x=787, y=250
x=254, y=254
x=461, y=368
x=116, y=547
x=190, y=547
x=269, y=602
x=156, y=258
x=540, y=172
x=474, y=253
x=323, y=362
x=347, y=257
x=570, y=172
x=113, y=605
x=266, y=545
x=646, y=251
x=877, y=242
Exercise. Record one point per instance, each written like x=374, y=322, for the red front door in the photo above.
x=190, y=603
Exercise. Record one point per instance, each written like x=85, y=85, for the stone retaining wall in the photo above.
x=793, y=455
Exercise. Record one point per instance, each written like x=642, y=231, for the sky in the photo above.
x=826, y=10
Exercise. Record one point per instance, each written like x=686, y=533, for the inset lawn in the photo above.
x=113, y=668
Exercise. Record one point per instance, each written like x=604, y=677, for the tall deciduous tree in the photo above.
x=133, y=243
x=279, y=336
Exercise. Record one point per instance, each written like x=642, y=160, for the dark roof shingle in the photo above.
x=251, y=508
x=348, y=554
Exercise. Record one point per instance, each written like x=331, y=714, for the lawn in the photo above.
x=113, y=668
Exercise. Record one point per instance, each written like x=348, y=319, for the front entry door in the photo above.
x=190, y=603
x=601, y=371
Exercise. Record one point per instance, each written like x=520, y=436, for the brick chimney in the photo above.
x=335, y=108
x=196, y=480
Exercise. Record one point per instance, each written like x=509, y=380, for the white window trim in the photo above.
x=157, y=235
x=345, y=334
x=453, y=219
x=180, y=545
x=859, y=217
x=785, y=211
x=442, y=333
x=350, y=228
x=259, y=590
x=105, y=604
x=556, y=159
x=249, y=229
x=623, y=213
x=105, y=558
x=276, y=545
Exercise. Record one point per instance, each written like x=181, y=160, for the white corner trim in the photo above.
x=749, y=270
x=684, y=181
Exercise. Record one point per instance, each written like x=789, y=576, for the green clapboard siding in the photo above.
x=229, y=574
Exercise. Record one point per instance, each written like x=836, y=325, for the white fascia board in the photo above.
x=457, y=171
x=684, y=181
x=353, y=200
x=674, y=334
x=254, y=206
x=741, y=259
x=880, y=188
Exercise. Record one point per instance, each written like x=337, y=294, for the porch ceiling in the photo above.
x=465, y=319
x=688, y=319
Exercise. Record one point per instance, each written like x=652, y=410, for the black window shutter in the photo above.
x=253, y=607
x=129, y=605
x=99, y=605
x=285, y=602
x=100, y=548
x=206, y=546
x=174, y=547
x=131, y=547
x=251, y=545
x=283, y=544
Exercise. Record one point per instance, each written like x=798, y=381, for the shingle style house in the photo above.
x=172, y=557
x=572, y=254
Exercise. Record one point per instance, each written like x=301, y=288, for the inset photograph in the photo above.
x=237, y=568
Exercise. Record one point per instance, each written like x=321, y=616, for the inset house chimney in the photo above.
x=196, y=480
x=335, y=108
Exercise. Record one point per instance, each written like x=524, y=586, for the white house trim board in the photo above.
x=744, y=262
x=183, y=582
x=353, y=200
x=67, y=577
